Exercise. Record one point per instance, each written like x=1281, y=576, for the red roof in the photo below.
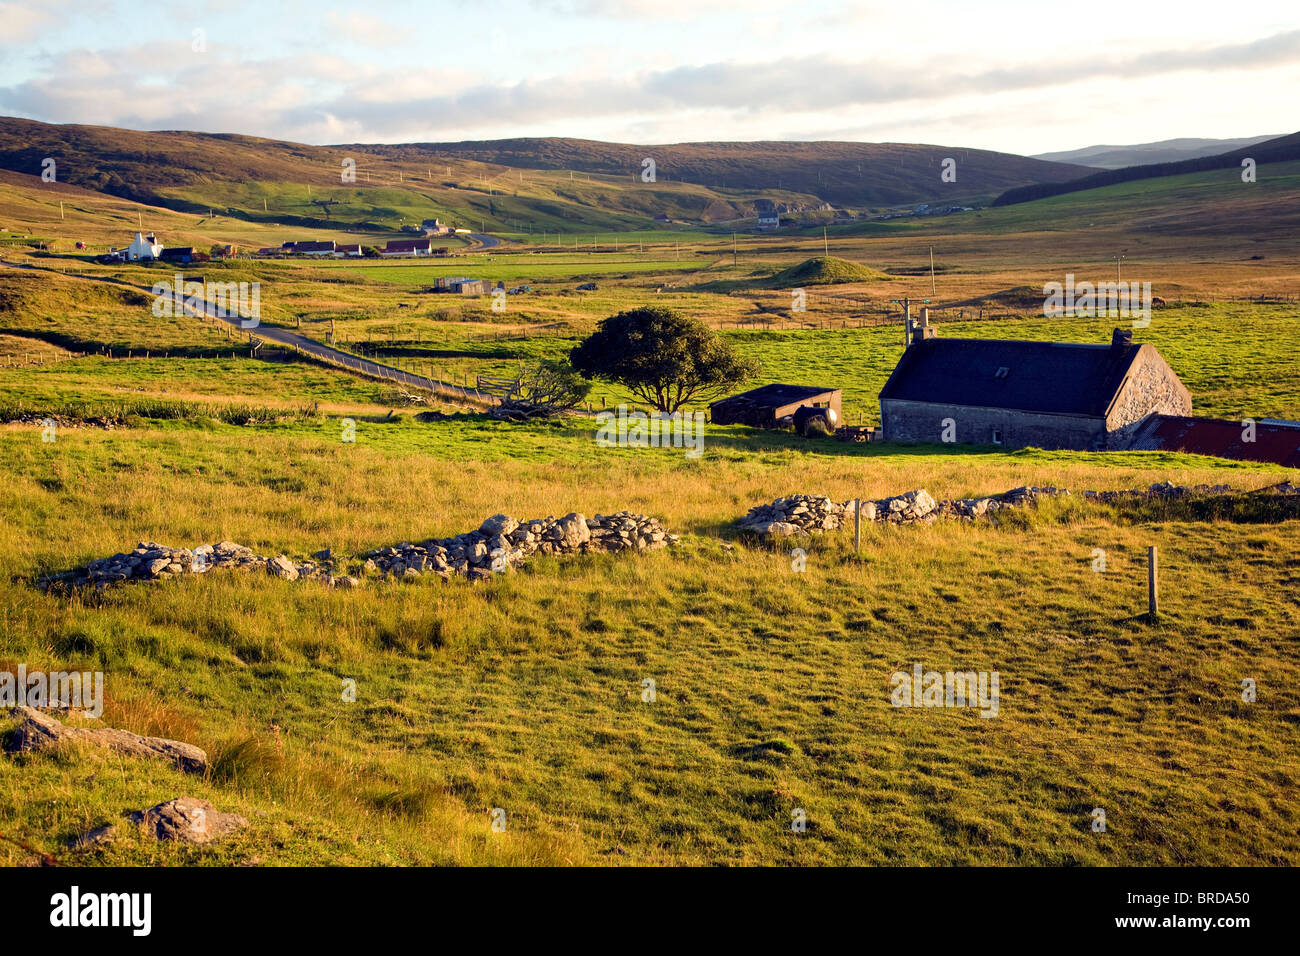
x=406, y=245
x=1276, y=443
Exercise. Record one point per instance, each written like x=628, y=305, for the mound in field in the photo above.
x=825, y=270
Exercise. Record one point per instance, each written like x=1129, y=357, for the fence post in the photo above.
x=1153, y=582
x=857, y=525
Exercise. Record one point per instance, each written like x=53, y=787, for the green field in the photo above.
x=537, y=268
x=524, y=692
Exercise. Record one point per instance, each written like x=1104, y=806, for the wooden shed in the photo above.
x=764, y=407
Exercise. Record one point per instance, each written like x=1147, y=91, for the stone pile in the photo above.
x=502, y=542
x=151, y=561
x=795, y=514
x=811, y=514
x=972, y=508
x=1161, y=489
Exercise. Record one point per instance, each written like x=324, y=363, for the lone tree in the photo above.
x=662, y=357
x=543, y=390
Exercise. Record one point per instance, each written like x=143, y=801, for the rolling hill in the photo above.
x=553, y=185
x=1140, y=154
x=1280, y=150
x=843, y=174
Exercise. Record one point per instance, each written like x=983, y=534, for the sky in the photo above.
x=1021, y=77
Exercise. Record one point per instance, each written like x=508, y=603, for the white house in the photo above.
x=144, y=247
x=769, y=219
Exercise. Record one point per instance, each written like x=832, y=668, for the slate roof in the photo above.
x=407, y=245
x=1054, y=377
x=774, y=395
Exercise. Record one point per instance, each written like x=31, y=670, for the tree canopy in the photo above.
x=662, y=357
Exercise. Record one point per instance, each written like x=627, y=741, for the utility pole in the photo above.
x=1117, y=261
x=733, y=249
x=61, y=209
x=932, y=270
x=826, y=249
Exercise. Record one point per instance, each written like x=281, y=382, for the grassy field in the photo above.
x=525, y=692
x=563, y=267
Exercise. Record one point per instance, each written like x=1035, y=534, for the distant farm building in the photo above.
x=434, y=227
x=769, y=220
x=467, y=286
x=177, y=254
x=766, y=406
x=313, y=248
x=143, y=247
x=407, y=247
x=1018, y=393
x=662, y=217
x=348, y=251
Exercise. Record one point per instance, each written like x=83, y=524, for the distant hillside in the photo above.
x=519, y=186
x=843, y=174
x=292, y=184
x=1280, y=150
x=1165, y=151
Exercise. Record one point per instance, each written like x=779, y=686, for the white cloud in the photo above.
x=322, y=95
x=23, y=22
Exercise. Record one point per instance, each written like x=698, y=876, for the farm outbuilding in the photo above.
x=177, y=254
x=407, y=247
x=314, y=248
x=460, y=285
x=1019, y=393
x=764, y=407
x=1268, y=440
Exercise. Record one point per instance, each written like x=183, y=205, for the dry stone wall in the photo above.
x=812, y=514
x=500, y=543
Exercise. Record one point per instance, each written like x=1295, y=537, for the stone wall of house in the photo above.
x=1151, y=388
x=912, y=422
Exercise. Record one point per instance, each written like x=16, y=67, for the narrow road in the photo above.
x=488, y=242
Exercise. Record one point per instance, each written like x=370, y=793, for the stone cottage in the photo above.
x=1018, y=393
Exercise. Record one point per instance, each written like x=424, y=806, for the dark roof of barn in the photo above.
x=1053, y=377
x=775, y=395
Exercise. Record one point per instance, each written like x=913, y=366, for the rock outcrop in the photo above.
x=187, y=820
x=40, y=731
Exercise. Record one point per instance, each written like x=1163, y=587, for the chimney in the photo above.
x=1121, y=338
x=923, y=331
